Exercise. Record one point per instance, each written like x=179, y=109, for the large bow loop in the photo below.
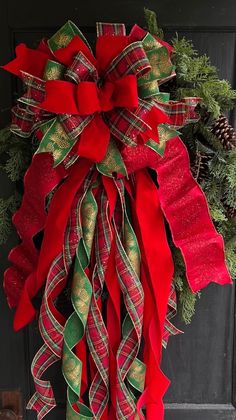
x=87, y=98
x=83, y=96
x=81, y=69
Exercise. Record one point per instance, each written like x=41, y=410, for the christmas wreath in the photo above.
x=111, y=221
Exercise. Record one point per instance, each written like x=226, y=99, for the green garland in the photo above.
x=195, y=77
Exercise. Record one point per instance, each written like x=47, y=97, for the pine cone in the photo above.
x=224, y=132
x=200, y=166
x=230, y=211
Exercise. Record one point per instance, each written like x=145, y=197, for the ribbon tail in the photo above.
x=94, y=140
x=157, y=272
x=29, y=220
x=53, y=239
x=185, y=208
x=27, y=60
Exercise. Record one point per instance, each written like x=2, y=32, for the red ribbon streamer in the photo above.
x=157, y=282
x=30, y=219
x=185, y=208
x=53, y=239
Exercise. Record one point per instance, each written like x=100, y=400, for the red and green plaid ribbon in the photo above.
x=128, y=270
x=96, y=332
x=51, y=322
x=81, y=295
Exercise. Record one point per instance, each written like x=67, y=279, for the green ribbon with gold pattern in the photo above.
x=81, y=293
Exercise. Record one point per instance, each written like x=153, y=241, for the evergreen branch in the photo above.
x=151, y=21
x=8, y=207
x=196, y=76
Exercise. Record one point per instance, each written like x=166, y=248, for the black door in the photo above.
x=201, y=362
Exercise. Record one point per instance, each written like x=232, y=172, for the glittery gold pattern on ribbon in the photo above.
x=81, y=294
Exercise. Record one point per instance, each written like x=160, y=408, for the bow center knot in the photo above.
x=93, y=97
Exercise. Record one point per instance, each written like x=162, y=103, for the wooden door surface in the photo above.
x=201, y=362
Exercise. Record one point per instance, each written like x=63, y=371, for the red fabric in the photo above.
x=113, y=303
x=185, y=208
x=107, y=48
x=66, y=55
x=27, y=60
x=178, y=197
x=94, y=134
x=29, y=220
x=156, y=279
x=153, y=119
x=59, y=97
x=43, y=47
x=62, y=97
x=81, y=353
x=57, y=217
x=52, y=241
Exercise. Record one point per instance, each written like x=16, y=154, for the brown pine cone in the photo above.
x=230, y=211
x=224, y=132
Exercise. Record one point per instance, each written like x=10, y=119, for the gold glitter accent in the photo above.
x=131, y=248
x=80, y=295
x=137, y=373
x=159, y=62
x=150, y=87
x=89, y=214
x=48, y=148
x=150, y=43
x=57, y=154
x=163, y=133
x=59, y=137
x=72, y=369
x=62, y=39
x=109, y=161
x=147, y=76
x=155, y=63
x=51, y=149
x=53, y=73
x=113, y=162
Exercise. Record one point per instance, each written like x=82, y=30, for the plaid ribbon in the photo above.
x=25, y=121
x=128, y=265
x=96, y=333
x=74, y=331
x=81, y=295
x=180, y=112
x=114, y=29
x=124, y=124
x=51, y=327
x=132, y=60
x=169, y=328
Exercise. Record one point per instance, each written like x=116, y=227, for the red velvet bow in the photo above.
x=119, y=64
x=87, y=98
